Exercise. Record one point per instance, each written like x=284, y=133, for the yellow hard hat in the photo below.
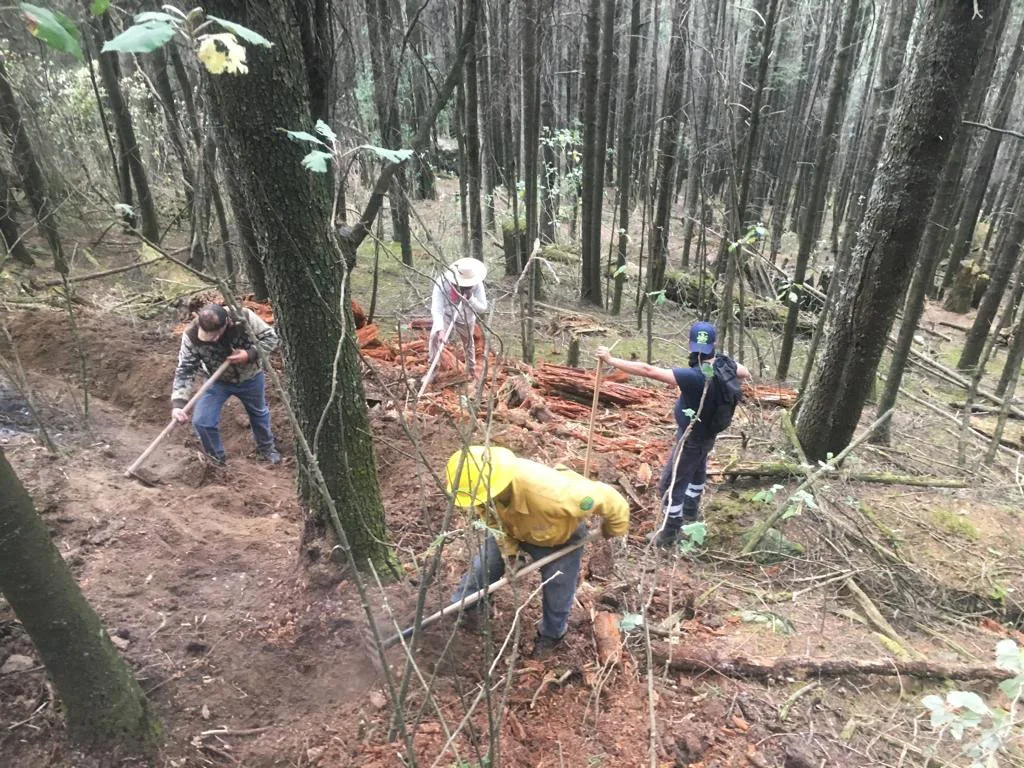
x=486, y=472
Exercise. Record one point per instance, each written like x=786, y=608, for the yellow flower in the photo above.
x=221, y=53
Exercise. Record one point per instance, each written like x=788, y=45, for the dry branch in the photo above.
x=787, y=469
x=792, y=666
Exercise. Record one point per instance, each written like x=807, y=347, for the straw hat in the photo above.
x=466, y=272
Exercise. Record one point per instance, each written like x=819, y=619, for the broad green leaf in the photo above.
x=316, y=161
x=933, y=702
x=620, y=271
x=243, y=32
x=968, y=700
x=696, y=532
x=53, y=28
x=661, y=299
x=630, y=621
x=1008, y=656
x=141, y=38
x=1012, y=688
x=145, y=16
x=395, y=156
x=325, y=130
x=123, y=209
x=304, y=136
x=99, y=7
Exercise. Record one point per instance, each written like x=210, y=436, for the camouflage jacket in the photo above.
x=195, y=356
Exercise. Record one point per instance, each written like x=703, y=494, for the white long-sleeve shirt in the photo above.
x=464, y=311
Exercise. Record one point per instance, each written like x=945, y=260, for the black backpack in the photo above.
x=724, y=393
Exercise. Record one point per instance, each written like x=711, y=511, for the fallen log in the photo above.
x=803, y=666
x=607, y=638
x=787, y=469
x=982, y=410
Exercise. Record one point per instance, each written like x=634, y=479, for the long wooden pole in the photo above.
x=593, y=411
x=474, y=598
x=174, y=422
x=437, y=358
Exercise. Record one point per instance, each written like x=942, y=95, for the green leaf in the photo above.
x=968, y=700
x=1008, y=656
x=316, y=161
x=1012, y=688
x=696, y=532
x=141, y=18
x=325, y=130
x=630, y=621
x=620, y=271
x=243, y=32
x=141, y=38
x=395, y=156
x=53, y=28
x=99, y=7
x=304, y=136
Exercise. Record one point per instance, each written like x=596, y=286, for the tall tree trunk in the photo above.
x=315, y=21
x=668, y=143
x=290, y=213
x=103, y=703
x=549, y=226
x=819, y=184
x=101, y=29
x=973, y=197
x=378, y=25
x=31, y=174
x=247, y=239
x=999, y=278
x=943, y=213
x=13, y=244
x=740, y=211
x=926, y=118
x=474, y=182
x=625, y=153
x=590, y=285
x=604, y=89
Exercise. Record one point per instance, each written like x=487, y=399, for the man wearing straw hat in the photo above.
x=457, y=299
x=536, y=510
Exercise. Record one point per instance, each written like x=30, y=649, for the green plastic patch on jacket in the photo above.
x=587, y=504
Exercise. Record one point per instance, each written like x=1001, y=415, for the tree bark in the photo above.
x=590, y=284
x=103, y=703
x=474, y=181
x=101, y=29
x=290, y=215
x=819, y=184
x=625, y=152
x=925, y=122
x=13, y=243
x=28, y=169
x=973, y=197
x=604, y=90
x=1002, y=268
x=668, y=143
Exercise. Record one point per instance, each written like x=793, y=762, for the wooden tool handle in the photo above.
x=173, y=422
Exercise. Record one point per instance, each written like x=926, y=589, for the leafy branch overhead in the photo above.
x=317, y=159
x=220, y=52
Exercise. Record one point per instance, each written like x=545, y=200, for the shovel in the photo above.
x=475, y=597
x=132, y=471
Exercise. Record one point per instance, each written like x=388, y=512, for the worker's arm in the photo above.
x=613, y=510
x=636, y=368
x=477, y=300
x=742, y=372
x=185, y=374
x=438, y=303
x=263, y=334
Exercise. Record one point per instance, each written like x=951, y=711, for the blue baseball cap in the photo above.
x=702, y=338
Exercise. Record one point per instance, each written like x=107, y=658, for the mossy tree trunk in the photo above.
x=924, y=125
x=104, y=705
x=289, y=210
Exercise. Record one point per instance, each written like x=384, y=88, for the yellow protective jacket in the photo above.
x=548, y=505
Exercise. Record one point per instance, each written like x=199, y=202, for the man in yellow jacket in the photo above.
x=534, y=509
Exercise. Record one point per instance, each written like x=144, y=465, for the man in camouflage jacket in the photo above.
x=215, y=336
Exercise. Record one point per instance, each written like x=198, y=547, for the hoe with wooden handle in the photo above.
x=132, y=470
x=475, y=597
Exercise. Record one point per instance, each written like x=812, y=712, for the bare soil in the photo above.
x=200, y=578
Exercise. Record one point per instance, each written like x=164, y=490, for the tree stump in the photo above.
x=961, y=292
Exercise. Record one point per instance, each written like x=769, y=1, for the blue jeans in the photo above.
x=558, y=594
x=691, y=473
x=206, y=419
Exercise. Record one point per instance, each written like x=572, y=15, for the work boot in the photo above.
x=668, y=536
x=217, y=461
x=270, y=455
x=544, y=646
